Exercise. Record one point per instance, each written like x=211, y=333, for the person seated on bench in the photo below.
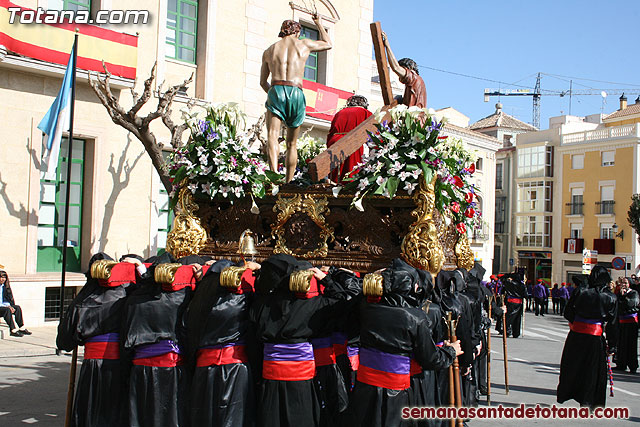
x=8, y=308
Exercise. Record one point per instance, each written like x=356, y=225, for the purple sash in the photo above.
x=156, y=349
x=108, y=337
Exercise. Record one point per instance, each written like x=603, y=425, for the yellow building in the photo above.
x=598, y=174
x=118, y=205
x=536, y=195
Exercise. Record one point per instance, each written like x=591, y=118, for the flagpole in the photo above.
x=68, y=179
x=74, y=358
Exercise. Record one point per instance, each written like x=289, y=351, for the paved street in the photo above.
x=534, y=368
x=33, y=388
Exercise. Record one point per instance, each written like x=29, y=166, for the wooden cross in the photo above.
x=335, y=155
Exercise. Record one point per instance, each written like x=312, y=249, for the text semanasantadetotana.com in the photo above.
x=519, y=412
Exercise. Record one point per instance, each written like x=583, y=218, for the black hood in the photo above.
x=275, y=271
x=94, y=258
x=219, y=265
x=400, y=280
x=192, y=259
x=580, y=281
x=477, y=271
x=451, y=282
x=136, y=256
x=425, y=286
x=599, y=277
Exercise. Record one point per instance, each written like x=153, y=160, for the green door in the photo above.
x=51, y=214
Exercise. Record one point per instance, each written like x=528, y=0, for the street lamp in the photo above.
x=620, y=234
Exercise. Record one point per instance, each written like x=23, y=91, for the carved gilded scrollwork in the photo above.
x=300, y=281
x=165, y=273
x=101, y=269
x=421, y=246
x=465, y=256
x=372, y=285
x=313, y=208
x=187, y=236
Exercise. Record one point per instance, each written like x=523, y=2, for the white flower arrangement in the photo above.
x=217, y=160
x=408, y=149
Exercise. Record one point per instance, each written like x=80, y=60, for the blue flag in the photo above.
x=56, y=121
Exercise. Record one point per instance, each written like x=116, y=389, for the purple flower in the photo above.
x=234, y=162
x=435, y=126
x=203, y=126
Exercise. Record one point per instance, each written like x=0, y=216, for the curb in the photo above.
x=27, y=353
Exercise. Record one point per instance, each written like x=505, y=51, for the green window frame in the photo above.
x=165, y=220
x=51, y=212
x=182, y=30
x=76, y=5
x=311, y=66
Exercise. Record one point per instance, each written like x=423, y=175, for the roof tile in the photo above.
x=502, y=120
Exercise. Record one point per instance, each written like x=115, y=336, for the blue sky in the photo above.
x=511, y=41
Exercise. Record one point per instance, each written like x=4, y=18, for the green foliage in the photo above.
x=634, y=214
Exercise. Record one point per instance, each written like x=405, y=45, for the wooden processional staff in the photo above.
x=491, y=298
x=504, y=346
x=455, y=397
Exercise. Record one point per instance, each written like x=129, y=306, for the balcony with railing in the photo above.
x=575, y=208
x=605, y=246
x=624, y=131
x=573, y=246
x=605, y=207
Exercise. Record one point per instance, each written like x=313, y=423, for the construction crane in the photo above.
x=537, y=93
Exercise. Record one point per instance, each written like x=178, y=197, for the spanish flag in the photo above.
x=49, y=42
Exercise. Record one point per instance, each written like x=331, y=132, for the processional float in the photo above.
x=314, y=224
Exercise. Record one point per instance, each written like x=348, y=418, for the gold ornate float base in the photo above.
x=187, y=236
x=312, y=224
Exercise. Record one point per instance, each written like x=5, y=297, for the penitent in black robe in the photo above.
x=515, y=292
x=627, y=336
x=281, y=318
x=157, y=394
x=425, y=390
x=583, y=368
x=394, y=330
x=222, y=392
x=100, y=398
x=451, y=284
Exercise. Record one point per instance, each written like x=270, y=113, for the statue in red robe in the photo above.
x=343, y=122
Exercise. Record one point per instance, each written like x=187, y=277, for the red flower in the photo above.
x=468, y=197
x=461, y=228
x=457, y=181
x=472, y=168
x=469, y=213
x=455, y=207
x=442, y=137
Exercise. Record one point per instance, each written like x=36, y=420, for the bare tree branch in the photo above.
x=255, y=134
x=146, y=93
x=139, y=126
